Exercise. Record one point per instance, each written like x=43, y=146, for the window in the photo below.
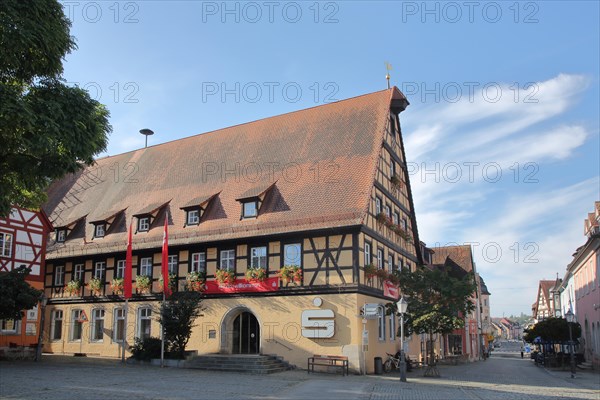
x=97, y=324
x=390, y=263
x=143, y=224
x=367, y=253
x=403, y=225
x=392, y=326
x=173, y=265
x=377, y=205
x=400, y=264
x=56, y=325
x=119, y=325
x=381, y=322
x=99, y=230
x=61, y=235
x=227, y=261
x=78, y=270
x=120, y=272
x=249, y=209
x=76, y=325
x=379, y=258
x=59, y=275
x=392, y=168
x=258, y=257
x=99, y=270
x=408, y=266
x=146, y=266
x=193, y=217
x=9, y=326
x=198, y=262
x=387, y=211
x=292, y=254
x=395, y=218
x=144, y=322
x=6, y=240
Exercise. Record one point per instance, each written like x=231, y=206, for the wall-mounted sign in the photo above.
x=243, y=286
x=391, y=290
x=318, y=324
x=370, y=311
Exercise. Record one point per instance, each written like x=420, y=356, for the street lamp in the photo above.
x=38, y=350
x=402, y=306
x=570, y=319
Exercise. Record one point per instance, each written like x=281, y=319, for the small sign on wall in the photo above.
x=30, y=329
x=32, y=314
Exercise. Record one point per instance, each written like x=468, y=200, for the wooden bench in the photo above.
x=340, y=362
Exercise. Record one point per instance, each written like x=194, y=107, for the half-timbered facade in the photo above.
x=23, y=236
x=324, y=190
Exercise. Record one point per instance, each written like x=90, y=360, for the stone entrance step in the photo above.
x=255, y=364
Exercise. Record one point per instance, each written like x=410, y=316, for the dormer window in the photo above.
x=192, y=217
x=143, y=224
x=99, y=230
x=250, y=209
x=61, y=235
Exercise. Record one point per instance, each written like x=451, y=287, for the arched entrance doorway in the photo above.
x=246, y=334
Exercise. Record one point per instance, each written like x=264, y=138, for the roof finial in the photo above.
x=146, y=132
x=388, y=68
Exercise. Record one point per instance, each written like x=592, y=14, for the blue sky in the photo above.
x=502, y=134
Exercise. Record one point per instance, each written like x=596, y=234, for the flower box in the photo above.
x=256, y=274
x=117, y=285
x=143, y=283
x=73, y=287
x=225, y=276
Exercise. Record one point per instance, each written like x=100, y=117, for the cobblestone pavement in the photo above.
x=497, y=378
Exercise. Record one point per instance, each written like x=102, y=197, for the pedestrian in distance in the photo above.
x=522, y=350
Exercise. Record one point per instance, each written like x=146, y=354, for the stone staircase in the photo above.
x=584, y=365
x=251, y=363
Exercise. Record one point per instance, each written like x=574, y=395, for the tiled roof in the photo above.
x=460, y=255
x=484, y=289
x=323, y=160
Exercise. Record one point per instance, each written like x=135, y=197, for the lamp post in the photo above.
x=402, y=306
x=38, y=350
x=570, y=319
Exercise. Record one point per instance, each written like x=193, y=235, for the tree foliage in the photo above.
x=177, y=317
x=47, y=129
x=16, y=294
x=437, y=301
x=554, y=330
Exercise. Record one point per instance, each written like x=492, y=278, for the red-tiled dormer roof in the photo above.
x=323, y=161
x=460, y=255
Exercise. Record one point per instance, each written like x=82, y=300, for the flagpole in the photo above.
x=124, y=339
x=162, y=333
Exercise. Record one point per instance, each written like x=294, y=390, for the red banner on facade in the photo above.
x=391, y=290
x=243, y=286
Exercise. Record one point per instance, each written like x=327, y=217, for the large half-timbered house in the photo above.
x=324, y=189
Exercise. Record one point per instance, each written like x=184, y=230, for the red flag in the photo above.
x=165, y=261
x=127, y=280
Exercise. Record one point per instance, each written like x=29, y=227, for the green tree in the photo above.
x=178, y=314
x=47, y=129
x=16, y=295
x=554, y=330
x=437, y=303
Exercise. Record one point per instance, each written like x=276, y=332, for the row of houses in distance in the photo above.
x=305, y=191
x=578, y=290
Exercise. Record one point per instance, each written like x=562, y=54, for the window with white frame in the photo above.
x=99, y=230
x=367, y=252
x=173, y=264
x=99, y=270
x=292, y=254
x=59, y=275
x=143, y=224
x=387, y=211
x=144, y=322
x=78, y=271
x=258, y=257
x=76, y=325
x=97, y=324
x=393, y=318
x=6, y=240
x=395, y=218
x=146, y=266
x=198, y=262
x=403, y=223
x=193, y=217
x=120, y=271
x=377, y=205
x=227, y=261
x=379, y=258
x=61, y=235
x=9, y=326
x=408, y=266
x=119, y=325
x=392, y=168
x=56, y=324
x=381, y=323
x=249, y=209
x=390, y=263
x=400, y=264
